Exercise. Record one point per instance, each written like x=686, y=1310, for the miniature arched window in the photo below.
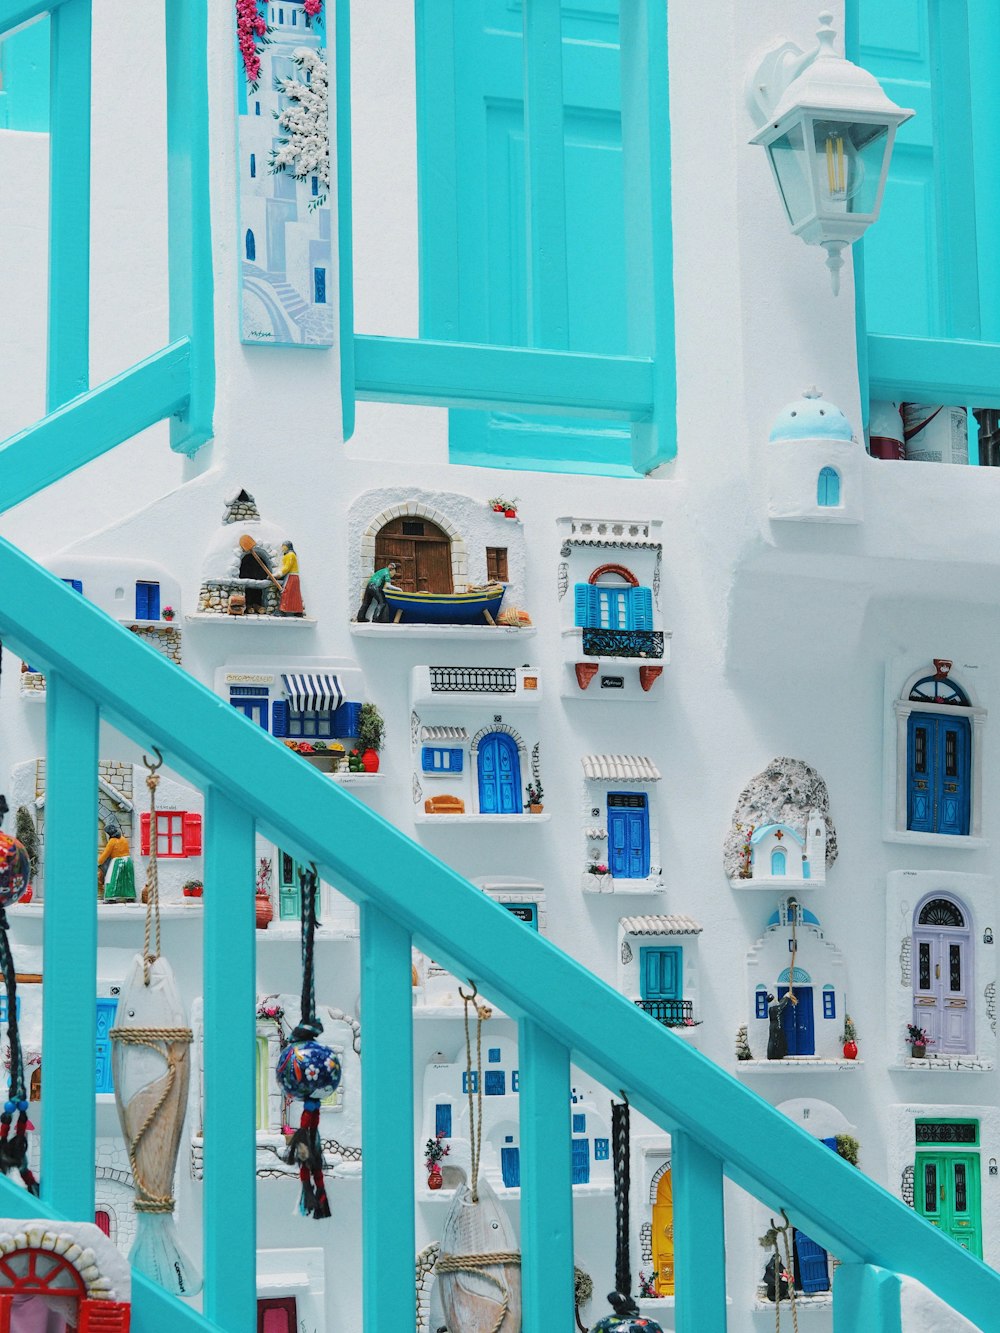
x=251, y=246
x=938, y=757
x=941, y=912
x=828, y=488
x=612, y=599
x=778, y=861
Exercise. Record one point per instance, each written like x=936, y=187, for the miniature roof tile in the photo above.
x=660, y=925
x=620, y=768
x=443, y=734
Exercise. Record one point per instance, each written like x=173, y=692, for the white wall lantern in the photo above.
x=828, y=129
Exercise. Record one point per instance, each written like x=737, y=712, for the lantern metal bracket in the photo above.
x=777, y=69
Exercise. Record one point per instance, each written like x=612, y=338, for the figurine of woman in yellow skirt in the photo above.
x=115, y=872
x=288, y=574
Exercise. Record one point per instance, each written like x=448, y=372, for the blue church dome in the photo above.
x=811, y=417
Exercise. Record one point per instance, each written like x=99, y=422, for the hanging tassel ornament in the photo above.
x=15, y=880
x=308, y=1070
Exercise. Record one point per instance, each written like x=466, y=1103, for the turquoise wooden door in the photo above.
x=660, y=972
x=106, y=1010
x=499, y=775
x=938, y=751
x=947, y=1194
x=473, y=228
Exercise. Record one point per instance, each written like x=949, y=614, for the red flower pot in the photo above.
x=369, y=761
x=850, y=1050
x=264, y=911
x=434, y=1178
x=510, y=513
x=195, y=892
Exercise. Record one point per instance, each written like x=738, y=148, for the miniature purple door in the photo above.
x=499, y=775
x=942, y=981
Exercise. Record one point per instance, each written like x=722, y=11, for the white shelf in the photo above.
x=794, y=1064
x=221, y=618
x=368, y=630
x=953, y=1064
x=448, y=820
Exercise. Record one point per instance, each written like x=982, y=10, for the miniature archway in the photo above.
x=414, y=512
x=72, y=1269
x=938, y=754
x=621, y=570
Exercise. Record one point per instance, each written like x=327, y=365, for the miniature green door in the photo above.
x=946, y=1192
x=289, y=889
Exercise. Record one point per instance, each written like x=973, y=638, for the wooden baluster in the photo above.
x=546, y=1179
x=230, y=1063
x=387, y=1120
x=69, y=1014
x=699, y=1236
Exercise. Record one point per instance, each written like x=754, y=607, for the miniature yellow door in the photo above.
x=663, y=1235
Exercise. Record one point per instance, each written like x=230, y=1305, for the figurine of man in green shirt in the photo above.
x=375, y=593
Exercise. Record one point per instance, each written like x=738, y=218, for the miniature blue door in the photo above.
x=510, y=1167
x=797, y=1021
x=660, y=972
x=499, y=775
x=473, y=235
x=813, y=1270
x=938, y=787
x=828, y=488
x=147, y=600
x=581, y=1161
x=628, y=835
x=106, y=1010
x=251, y=701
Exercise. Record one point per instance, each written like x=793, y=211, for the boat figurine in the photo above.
x=151, y=1065
x=474, y=606
x=471, y=1293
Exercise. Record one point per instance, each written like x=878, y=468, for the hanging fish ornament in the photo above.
x=15, y=881
x=150, y=1050
x=478, y=1282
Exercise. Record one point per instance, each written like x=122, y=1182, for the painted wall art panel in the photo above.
x=285, y=215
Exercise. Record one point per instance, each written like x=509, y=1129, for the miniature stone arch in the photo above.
x=70, y=1267
x=416, y=509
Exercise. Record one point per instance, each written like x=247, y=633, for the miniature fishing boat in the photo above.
x=475, y=606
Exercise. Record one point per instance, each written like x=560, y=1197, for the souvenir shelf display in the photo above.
x=781, y=835
x=470, y=762
x=278, y=891
x=250, y=572
x=814, y=464
x=797, y=987
x=621, y=837
x=432, y=565
x=658, y=968
x=142, y=596
x=609, y=584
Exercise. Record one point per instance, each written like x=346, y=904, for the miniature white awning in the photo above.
x=620, y=768
x=443, y=734
x=660, y=925
x=313, y=693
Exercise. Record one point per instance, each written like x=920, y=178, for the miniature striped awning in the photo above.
x=660, y=925
x=313, y=694
x=443, y=734
x=620, y=768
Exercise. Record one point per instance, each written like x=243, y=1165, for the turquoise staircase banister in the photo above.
x=211, y=744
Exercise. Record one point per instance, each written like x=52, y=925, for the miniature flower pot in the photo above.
x=27, y=895
x=264, y=910
x=537, y=808
x=850, y=1050
x=498, y=509
x=369, y=761
x=193, y=890
x=510, y=513
x=919, y=1051
x=434, y=1178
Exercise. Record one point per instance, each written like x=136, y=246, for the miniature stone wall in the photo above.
x=782, y=793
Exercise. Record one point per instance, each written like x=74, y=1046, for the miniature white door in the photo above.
x=942, y=991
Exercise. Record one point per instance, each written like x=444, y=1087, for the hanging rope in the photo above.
x=475, y=1121
x=795, y=947
x=14, y=1147
x=770, y=1238
x=152, y=873
x=620, y=1141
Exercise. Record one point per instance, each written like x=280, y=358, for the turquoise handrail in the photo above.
x=408, y=896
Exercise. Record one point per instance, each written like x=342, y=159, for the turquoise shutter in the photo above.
x=586, y=610
x=642, y=608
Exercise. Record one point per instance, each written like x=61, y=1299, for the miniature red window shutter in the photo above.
x=104, y=1317
x=5, y=1304
x=192, y=834
x=277, y=1315
x=144, y=834
x=103, y=1219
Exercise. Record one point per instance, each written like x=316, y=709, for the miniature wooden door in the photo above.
x=421, y=550
x=471, y=180
x=797, y=1021
x=942, y=994
x=277, y=1314
x=663, y=1235
x=660, y=973
x=289, y=889
x=106, y=1010
x=938, y=792
x=499, y=775
x=946, y=1192
x=510, y=1163
x=628, y=835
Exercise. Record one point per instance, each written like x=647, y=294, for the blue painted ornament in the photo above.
x=308, y=1070
x=15, y=870
x=625, y=1318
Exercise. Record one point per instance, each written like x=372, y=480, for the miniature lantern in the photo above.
x=828, y=128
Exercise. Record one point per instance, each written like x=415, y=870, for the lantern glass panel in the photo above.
x=848, y=160
x=788, y=158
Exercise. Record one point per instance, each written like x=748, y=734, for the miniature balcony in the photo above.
x=671, y=1013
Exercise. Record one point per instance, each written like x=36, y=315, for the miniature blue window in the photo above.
x=253, y=165
x=251, y=701
x=474, y=1081
x=319, y=286
x=613, y=606
x=828, y=488
x=306, y=723
x=434, y=759
x=515, y=1080
x=494, y=1055
x=760, y=1002
x=829, y=1002
x=442, y=1119
x=3, y=1008
x=495, y=1083
x=778, y=861
x=147, y=601
x=579, y=1124
x=75, y=584
x=251, y=245
x=602, y=1150
x=256, y=108
x=314, y=184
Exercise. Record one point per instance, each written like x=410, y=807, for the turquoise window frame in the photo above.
x=962, y=369
x=639, y=387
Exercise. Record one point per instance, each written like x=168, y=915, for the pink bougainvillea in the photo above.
x=313, y=7
x=249, y=26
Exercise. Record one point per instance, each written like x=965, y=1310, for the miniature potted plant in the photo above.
x=497, y=505
x=192, y=888
x=371, y=734
x=918, y=1039
x=434, y=1151
x=168, y=613
x=535, y=793
x=506, y=507
x=850, y=1038
x=264, y=908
